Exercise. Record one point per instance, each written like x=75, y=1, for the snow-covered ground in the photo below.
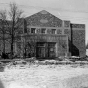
x=45, y=76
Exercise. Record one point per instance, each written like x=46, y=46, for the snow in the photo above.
x=45, y=76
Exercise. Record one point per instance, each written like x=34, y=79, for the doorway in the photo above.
x=46, y=50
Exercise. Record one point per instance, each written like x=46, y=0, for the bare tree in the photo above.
x=15, y=15
x=3, y=23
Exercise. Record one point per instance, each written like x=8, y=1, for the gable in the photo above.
x=44, y=19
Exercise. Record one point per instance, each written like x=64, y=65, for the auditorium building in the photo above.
x=46, y=36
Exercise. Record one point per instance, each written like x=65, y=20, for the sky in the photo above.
x=74, y=10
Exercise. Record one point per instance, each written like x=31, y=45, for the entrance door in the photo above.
x=40, y=50
x=51, y=50
x=46, y=50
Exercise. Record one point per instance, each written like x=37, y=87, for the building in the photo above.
x=45, y=36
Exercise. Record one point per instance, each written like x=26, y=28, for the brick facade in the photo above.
x=44, y=20
x=69, y=38
x=78, y=39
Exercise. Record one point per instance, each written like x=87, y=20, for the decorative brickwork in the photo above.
x=44, y=20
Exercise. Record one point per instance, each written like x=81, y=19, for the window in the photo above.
x=59, y=31
x=38, y=30
x=43, y=30
x=32, y=30
x=53, y=31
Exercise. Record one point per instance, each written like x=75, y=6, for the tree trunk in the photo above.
x=3, y=42
x=12, y=40
x=12, y=47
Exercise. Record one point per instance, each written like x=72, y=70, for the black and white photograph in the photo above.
x=43, y=43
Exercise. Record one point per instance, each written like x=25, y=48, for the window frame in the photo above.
x=43, y=32
x=53, y=32
x=34, y=30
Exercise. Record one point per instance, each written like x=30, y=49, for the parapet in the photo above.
x=82, y=26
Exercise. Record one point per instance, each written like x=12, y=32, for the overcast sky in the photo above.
x=74, y=10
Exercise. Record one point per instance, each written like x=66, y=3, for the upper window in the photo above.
x=43, y=30
x=32, y=30
x=53, y=31
x=59, y=31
